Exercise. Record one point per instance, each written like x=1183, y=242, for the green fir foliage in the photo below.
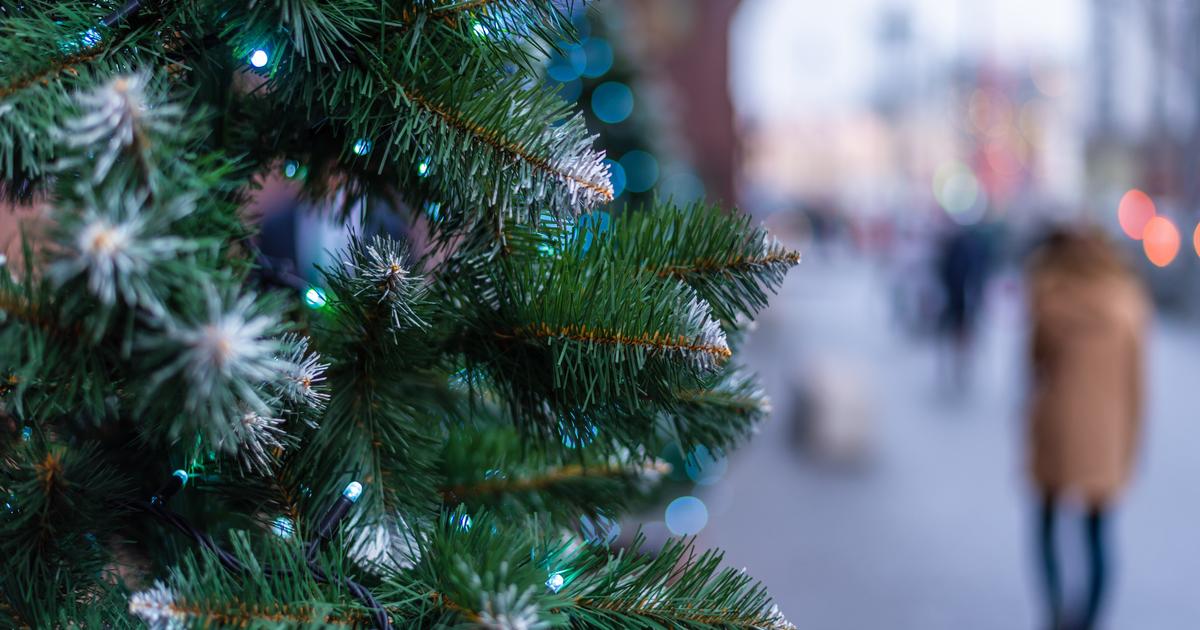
x=500, y=389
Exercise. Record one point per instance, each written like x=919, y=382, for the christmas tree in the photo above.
x=434, y=435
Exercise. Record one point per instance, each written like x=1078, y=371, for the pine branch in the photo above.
x=601, y=189
x=53, y=70
x=553, y=477
x=717, y=416
x=729, y=262
x=579, y=335
x=53, y=516
x=654, y=342
x=492, y=469
x=674, y=588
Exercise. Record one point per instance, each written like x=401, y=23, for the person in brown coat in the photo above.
x=1088, y=313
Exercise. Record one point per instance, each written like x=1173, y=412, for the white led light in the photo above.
x=353, y=491
x=259, y=58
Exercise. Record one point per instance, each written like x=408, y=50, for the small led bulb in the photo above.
x=183, y=477
x=353, y=491
x=259, y=58
x=555, y=583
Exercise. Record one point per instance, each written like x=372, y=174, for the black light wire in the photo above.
x=157, y=507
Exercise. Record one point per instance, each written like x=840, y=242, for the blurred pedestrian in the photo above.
x=1088, y=315
x=962, y=268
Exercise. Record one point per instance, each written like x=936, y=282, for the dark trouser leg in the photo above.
x=1051, y=581
x=1097, y=552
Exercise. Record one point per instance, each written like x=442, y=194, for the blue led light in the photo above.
x=480, y=30
x=423, y=167
x=183, y=477
x=283, y=527
x=314, y=297
x=259, y=58
x=26, y=433
x=353, y=491
x=556, y=581
x=362, y=146
x=90, y=37
x=290, y=168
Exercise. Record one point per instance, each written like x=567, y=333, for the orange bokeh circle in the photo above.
x=1160, y=240
x=1135, y=211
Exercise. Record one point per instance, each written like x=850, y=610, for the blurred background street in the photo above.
x=916, y=152
x=922, y=517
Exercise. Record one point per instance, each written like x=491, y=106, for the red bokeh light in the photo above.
x=1160, y=240
x=1135, y=212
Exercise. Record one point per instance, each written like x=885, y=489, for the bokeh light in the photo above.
x=957, y=190
x=641, y=171
x=612, y=102
x=599, y=57
x=704, y=467
x=591, y=224
x=616, y=176
x=682, y=187
x=1160, y=241
x=571, y=90
x=1134, y=212
x=567, y=64
x=686, y=516
x=1196, y=240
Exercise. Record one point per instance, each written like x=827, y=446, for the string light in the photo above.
x=362, y=146
x=314, y=297
x=556, y=581
x=423, y=168
x=339, y=510
x=283, y=527
x=173, y=485
x=146, y=603
x=259, y=58
x=290, y=168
